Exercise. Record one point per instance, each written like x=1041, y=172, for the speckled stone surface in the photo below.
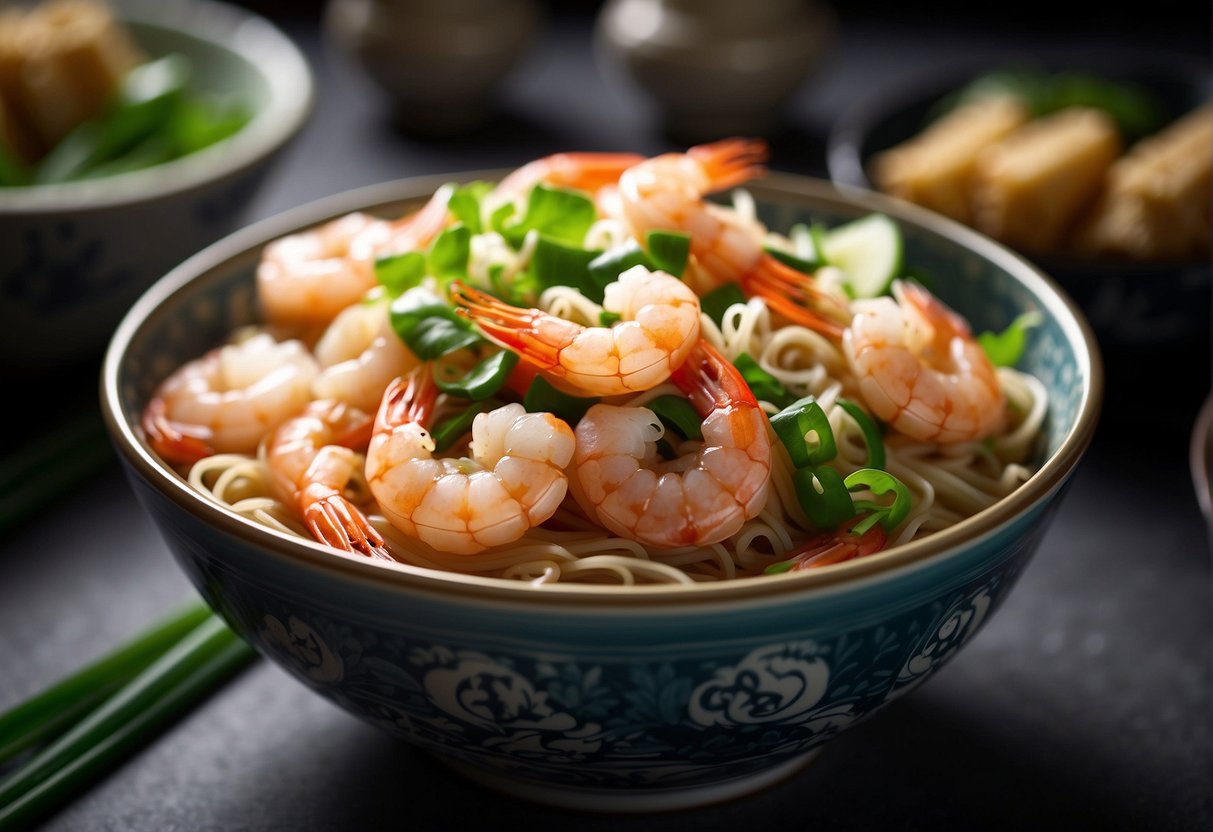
x=1084, y=704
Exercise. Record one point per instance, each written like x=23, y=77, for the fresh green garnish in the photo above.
x=762, y=384
x=717, y=302
x=606, y=318
x=607, y=266
x=804, y=430
x=1004, y=349
x=465, y=201
x=448, y=431
x=871, y=433
x=448, y=254
x=558, y=264
x=823, y=496
x=788, y=259
x=542, y=397
x=879, y=483
x=669, y=251
x=868, y=251
x=400, y=272
x=677, y=413
x=483, y=380
x=559, y=214
x=430, y=328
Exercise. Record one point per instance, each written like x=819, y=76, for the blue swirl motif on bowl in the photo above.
x=58, y=267
x=664, y=720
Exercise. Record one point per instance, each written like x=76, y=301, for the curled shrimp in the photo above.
x=227, y=400
x=700, y=498
x=360, y=354
x=659, y=326
x=309, y=277
x=837, y=546
x=514, y=479
x=667, y=192
x=583, y=171
x=920, y=370
x=313, y=459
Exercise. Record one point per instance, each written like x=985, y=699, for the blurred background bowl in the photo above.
x=1156, y=306
x=78, y=254
x=608, y=698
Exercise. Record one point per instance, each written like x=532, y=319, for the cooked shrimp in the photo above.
x=360, y=354
x=513, y=481
x=700, y=498
x=225, y=401
x=659, y=326
x=309, y=277
x=920, y=370
x=837, y=546
x=667, y=193
x=584, y=171
x=312, y=458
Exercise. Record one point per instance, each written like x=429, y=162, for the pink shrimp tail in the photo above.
x=796, y=296
x=511, y=326
x=732, y=162
x=408, y=399
x=838, y=546
x=584, y=171
x=332, y=519
x=176, y=443
x=710, y=380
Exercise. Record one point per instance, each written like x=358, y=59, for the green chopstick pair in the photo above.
x=85, y=723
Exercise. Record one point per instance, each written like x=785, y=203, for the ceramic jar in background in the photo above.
x=715, y=68
x=440, y=62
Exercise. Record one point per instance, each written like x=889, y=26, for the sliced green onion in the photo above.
x=483, y=380
x=431, y=329
x=187, y=672
x=1004, y=349
x=762, y=384
x=823, y=496
x=788, y=259
x=804, y=429
x=606, y=318
x=400, y=272
x=51, y=712
x=606, y=267
x=879, y=483
x=677, y=412
x=717, y=302
x=871, y=433
x=542, y=397
x=669, y=251
x=448, y=431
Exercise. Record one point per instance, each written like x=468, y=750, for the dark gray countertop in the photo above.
x=1085, y=703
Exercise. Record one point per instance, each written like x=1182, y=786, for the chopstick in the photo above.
x=197, y=652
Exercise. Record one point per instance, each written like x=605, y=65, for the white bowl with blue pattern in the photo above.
x=599, y=697
x=77, y=255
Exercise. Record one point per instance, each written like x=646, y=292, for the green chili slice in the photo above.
x=669, y=251
x=823, y=495
x=871, y=433
x=879, y=483
x=763, y=385
x=805, y=431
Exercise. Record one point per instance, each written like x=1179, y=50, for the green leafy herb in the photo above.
x=430, y=328
x=677, y=413
x=717, y=302
x=879, y=483
x=823, y=496
x=871, y=433
x=448, y=254
x=542, y=397
x=483, y=380
x=669, y=251
x=762, y=384
x=1004, y=349
x=805, y=432
x=559, y=214
x=606, y=267
x=557, y=264
x=400, y=272
x=606, y=318
x=465, y=201
x=448, y=431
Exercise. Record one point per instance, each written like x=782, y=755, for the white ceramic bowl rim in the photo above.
x=951, y=542
x=266, y=48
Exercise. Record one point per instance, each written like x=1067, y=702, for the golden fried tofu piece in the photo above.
x=934, y=169
x=1156, y=203
x=1030, y=188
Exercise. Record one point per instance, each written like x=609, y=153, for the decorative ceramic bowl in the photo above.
x=77, y=255
x=1129, y=304
x=603, y=697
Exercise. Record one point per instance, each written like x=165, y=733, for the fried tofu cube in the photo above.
x=1156, y=204
x=934, y=169
x=1030, y=188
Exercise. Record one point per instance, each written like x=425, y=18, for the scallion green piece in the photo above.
x=558, y=213
x=669, y=251
x=677, y=412
x=606, y=267
x=447, y=258
x=542, y=397
x=49, y=713
x=400, y=272
x=871, y=433
x=879, y=483
x=1004, y=349
x=823, y=496
x=483, y=380
x=446, y=432
x=465, y=201
x=788, y=259
x=430, y=328
x=763, y=385
x=717, y=302
x=558, y=264
x=804, y=429
x=188, y=671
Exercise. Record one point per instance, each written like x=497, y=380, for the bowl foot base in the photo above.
x=624, y=800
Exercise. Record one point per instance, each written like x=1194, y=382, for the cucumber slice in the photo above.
x=868, y=250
